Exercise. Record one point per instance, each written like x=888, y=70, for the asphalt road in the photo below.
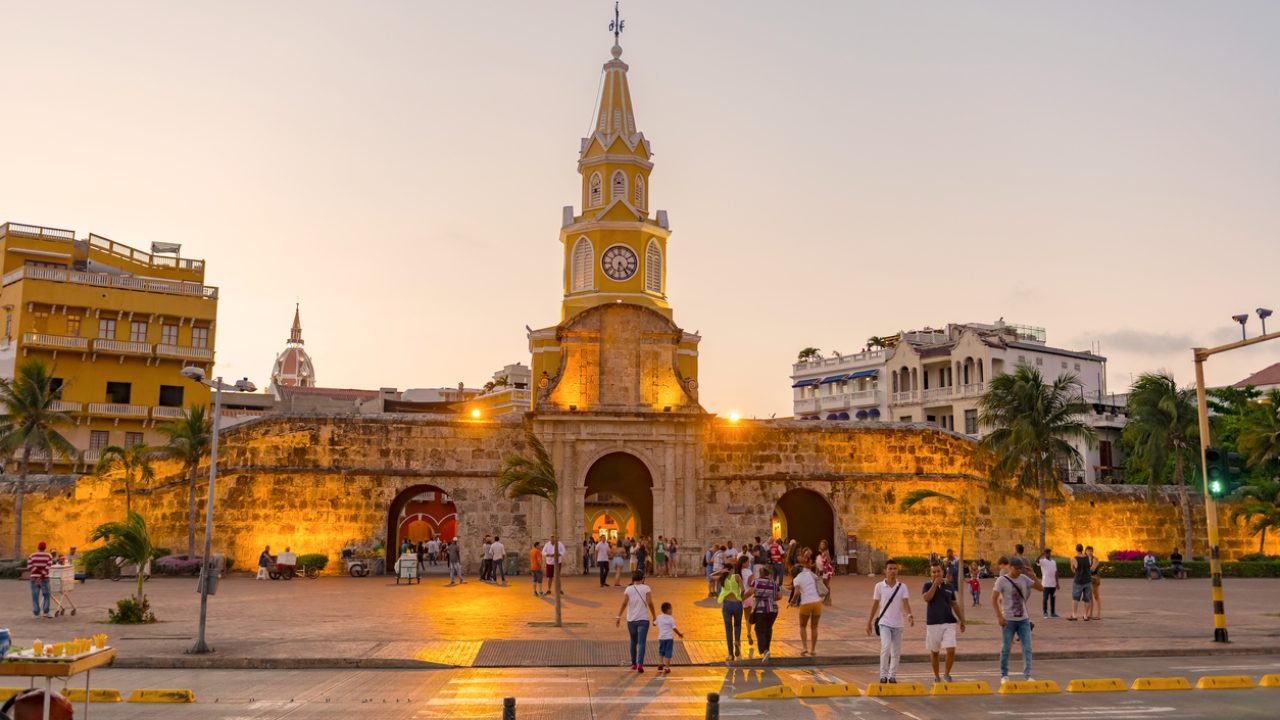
x=576, y=693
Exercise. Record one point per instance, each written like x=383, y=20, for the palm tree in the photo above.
x=1261, y=509
x=809, y=354
x=535, y=476
x=1260, y=430
x=29, y=422
x=130, y=461
x=1164, y=430
x=916, y=496
x=189, y=441
x=875, y=341
x=129, y=541
x=1033, y=423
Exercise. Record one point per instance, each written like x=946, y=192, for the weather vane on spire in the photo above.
x=617, y=25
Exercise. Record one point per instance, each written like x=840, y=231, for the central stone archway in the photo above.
x=419, y=512
x=620, y=483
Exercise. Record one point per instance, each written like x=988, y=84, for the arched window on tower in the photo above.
x=619, y=186
x=639, y=192
x=582, y=265
x=653, y=268
x=594, y=190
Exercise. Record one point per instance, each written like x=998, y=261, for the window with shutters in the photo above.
x=653, y=268
x=200, y=337
x=594, y=190
x=169, y=334
x=132, y=438
x=106, y=329
x=619, y=186
x=582, y=266
x=138, y=332
x=99, y=439
x=639, y=192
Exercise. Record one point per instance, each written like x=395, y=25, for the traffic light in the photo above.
x=1224, y=472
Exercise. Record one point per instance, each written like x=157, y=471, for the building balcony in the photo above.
x=167, y=413
x=54, y=342
x=103, y=280
x=973, y=390
x=119, y=410
x=907, y=397
x=123, y=347
x=184, y=353
x=805, y=406
x=833, y=402
x=66, y=406
x=942, y=393
x=92, y=456
x=863, y=397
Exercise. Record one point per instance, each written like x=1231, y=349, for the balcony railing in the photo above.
x=123, y=282
x=805, y=406
x=91, y=457
x=831, y=402
x=57, y=342
x=906, y=397
x=66, y=406
x=185, y=353
x=167, y=413
x=37, y=231
x=973, y=390
x=122, y=347
x=129, y=253
x=864, y=397
x=118, y=410
x=942, y=393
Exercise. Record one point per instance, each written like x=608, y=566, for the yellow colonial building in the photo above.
x=113, y=323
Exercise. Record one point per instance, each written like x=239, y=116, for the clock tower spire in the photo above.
x=614, y=249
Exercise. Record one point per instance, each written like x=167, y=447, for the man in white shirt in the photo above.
x=433, y=550
x=602, y=559
x=553, y=557
x=498, y=553
x=889, y=606
x=1049, y=575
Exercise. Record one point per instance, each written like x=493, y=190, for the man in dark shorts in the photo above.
x=1081, y=583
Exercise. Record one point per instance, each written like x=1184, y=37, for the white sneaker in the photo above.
x=1029, y=679
x=1004, y=680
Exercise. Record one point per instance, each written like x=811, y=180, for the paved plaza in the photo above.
x=337, y=622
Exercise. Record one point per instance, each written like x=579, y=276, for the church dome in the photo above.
x=293, y=367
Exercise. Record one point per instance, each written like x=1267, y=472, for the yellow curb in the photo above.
x=833, y=690
x=1029, y=687
x=76, y=695
x=1224, y=682
x=773, y=692
x=162, y=696
x=895, y=690
x=6, y=693
x=1096, y=686
x=1169, y=683
x=961, y=688
x=1269, y=681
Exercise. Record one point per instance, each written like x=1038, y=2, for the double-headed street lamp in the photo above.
x=206, y=564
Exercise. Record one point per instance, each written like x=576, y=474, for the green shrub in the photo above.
x=130, y=612
x=157, y=553
x=1259, y=557
x=316, y=560
x=1251, y=569
x=912, y=565
x=95, y=562
x=12, y=569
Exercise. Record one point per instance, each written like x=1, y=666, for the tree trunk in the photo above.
x=1262, y=544
x=555, y=553
x=1043, y=523
x=128, y=496
x=17, y=501
x=191, y=512
x=964, y=518
x=1184, y=503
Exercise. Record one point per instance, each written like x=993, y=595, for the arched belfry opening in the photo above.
x=619, y=486
x=807, y=517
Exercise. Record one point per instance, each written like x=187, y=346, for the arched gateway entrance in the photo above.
x=418, y=513
x=807, y=517
x=619, y=497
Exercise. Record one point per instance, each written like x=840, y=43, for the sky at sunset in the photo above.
x=832, y=170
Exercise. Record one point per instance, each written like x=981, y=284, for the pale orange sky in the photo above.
x=833, y=170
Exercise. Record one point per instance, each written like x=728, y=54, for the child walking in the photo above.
x=975, y=587
x=666, y=643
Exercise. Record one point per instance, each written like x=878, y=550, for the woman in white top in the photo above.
x=637, y=598
x=804, y=593
x=1049, y=578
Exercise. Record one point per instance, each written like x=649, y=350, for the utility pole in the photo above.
x=1210, y=506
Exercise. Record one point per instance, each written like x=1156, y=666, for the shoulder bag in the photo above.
x=885, y=609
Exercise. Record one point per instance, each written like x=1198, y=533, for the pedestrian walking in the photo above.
x=806, y=596
x=826, y=569
x=588, y=555
x=535, y=568
x=454, y=555
x=637, y=600
x=775, y=560
x=659, y=557
x=708, y=566
x=1081, y=586
x=1095, y=582
x=433, y=550
x=264, y=563
x=498, y=555
x=951, y=569
x=746, y=573
x=602, y=559
x=730, y=599
x=942, y=617
x=673, y=570
x=763, y=594
x=631, y=555
x=553, y=559
x=666, y=642
x=890, y=598
x=422, y=555
x=1049, y=579
x=38, y=564
x=486, y=561
x=975, y=585
x=1009, y=598
x=618, y=561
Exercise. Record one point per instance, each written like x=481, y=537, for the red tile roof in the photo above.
x=1266, y=376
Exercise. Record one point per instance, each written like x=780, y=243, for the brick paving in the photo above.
x=372, y=622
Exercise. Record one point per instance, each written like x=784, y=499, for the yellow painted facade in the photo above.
x=114, y=324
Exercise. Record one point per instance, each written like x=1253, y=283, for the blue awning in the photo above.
x=805, y=383
x=863, y=374
x=874, y=412
x=834, y=378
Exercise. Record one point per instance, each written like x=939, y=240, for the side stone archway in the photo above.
x=807, y=517
x=419, y=512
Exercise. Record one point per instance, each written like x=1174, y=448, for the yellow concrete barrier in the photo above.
x=1097, y=685
x=961, y=688
x=1029, y=687
x=1269, y=681
x=773, y=692
x=6, y=693
x=1224, y=682
x=1169, y=683
x=895, y=690
x=76, y=695
x=830, y=690
x=162, y=696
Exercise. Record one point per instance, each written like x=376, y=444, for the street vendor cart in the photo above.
x=26, y=664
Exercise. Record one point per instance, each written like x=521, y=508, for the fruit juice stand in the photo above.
x=28, y=664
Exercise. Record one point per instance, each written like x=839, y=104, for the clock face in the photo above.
x=619, y=262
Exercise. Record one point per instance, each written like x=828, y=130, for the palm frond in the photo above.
x=917, y=496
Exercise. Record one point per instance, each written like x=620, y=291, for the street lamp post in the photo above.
x=206, y=560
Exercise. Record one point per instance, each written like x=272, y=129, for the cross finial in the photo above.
x=617, y=25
